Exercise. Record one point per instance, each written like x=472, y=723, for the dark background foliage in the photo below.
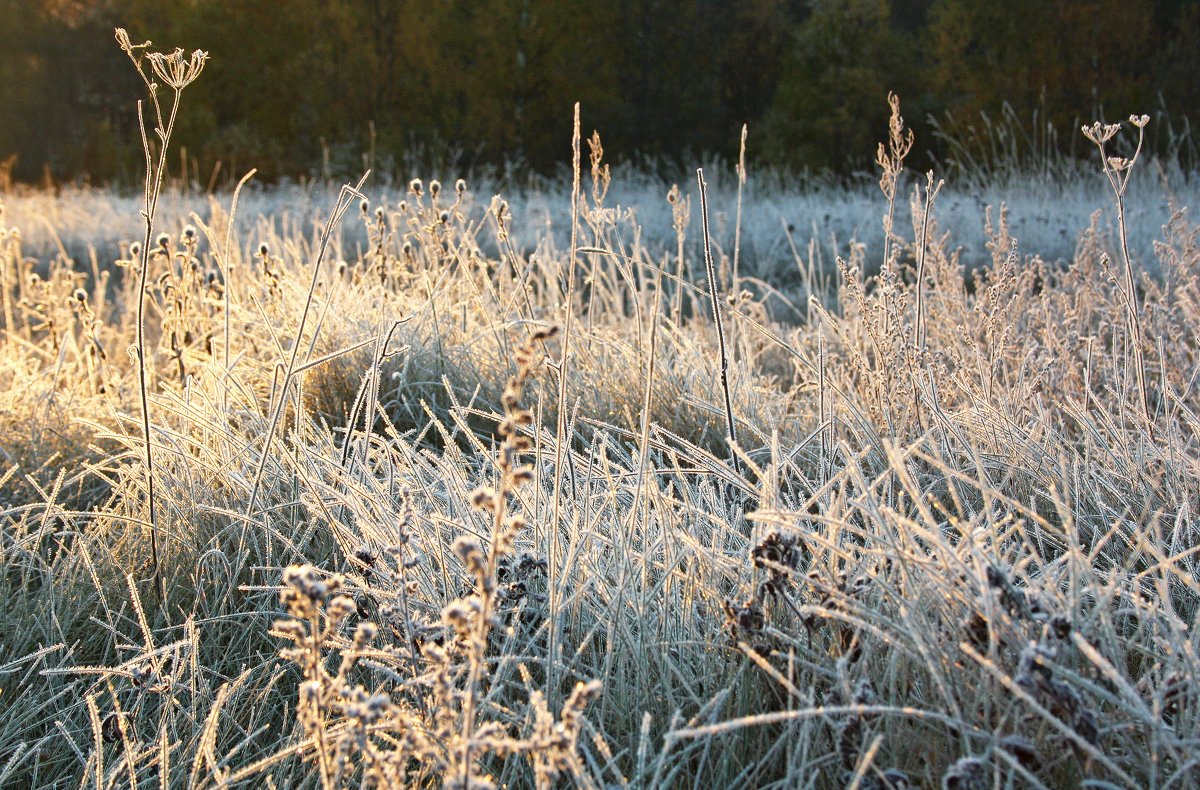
x=319, y=87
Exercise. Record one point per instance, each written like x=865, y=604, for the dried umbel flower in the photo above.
x=1100, y=133
x=175, y=69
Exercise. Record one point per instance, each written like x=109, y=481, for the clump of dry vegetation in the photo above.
x=426, y=516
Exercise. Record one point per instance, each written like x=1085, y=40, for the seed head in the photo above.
x=164, y=241
x=135, y=249
x=484, y=498
x=364, y=633
x=292, y=629
x=416, y=187
x=189, y=233
x=1100, y=133
x=460, y=186
x=444, y=216
x=80, y=295
x=263, y=250
x=435, y=187
x=340, y=607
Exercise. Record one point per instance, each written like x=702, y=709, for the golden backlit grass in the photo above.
x=964, y=525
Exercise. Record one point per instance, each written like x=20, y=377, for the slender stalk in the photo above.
x=5, y=288
x=919, y=324
x=1135, y=320
x=717, y=321
x=1118, y=171
x=151, y=200
x=224, y=259
x=735, y=285
x=560, y=431
x=177, y=72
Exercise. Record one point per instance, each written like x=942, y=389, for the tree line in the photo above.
x=305, y=87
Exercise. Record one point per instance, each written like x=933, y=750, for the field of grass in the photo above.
x=447, y=493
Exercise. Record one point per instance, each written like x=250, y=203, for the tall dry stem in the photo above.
x=561, y=438
x=1118, y=169
x=735, y=286
x=177, y=72
x=718, y=323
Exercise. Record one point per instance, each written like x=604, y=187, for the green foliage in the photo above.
x=324, y=87
x=844, y=58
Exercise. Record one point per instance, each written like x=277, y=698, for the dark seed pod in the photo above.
x=110, y=728
x=1022, y=749
x=1060, y=626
